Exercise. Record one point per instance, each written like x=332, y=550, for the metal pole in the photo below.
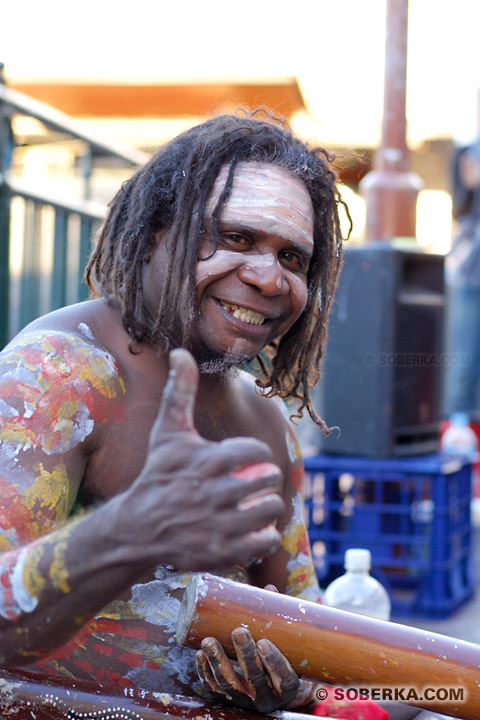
x=6, y=149
x=390, y=190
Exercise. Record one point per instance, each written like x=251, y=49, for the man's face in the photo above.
x=254, y=286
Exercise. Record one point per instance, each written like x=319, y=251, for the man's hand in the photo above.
x=264, y=681
x=186, y=506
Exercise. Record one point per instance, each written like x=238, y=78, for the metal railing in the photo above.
x=45, y=240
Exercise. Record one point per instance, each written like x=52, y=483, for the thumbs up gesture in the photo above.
x=188, y=505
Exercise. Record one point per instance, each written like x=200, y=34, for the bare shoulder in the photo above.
x=273, y=407
x=94, y=320
x=89, y=329
x=271, y=416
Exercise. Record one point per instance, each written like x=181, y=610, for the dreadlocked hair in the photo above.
x=171, y=193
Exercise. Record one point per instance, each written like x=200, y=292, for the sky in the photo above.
x=335, y=48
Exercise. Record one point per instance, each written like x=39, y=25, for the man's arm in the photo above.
x=55, y=390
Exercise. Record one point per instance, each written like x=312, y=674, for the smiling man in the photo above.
x=251, y=277
x=119, y=461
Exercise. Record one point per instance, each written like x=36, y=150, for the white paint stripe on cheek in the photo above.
x=264, y=260
x=223, y=261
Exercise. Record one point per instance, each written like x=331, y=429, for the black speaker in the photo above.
x=383, y=367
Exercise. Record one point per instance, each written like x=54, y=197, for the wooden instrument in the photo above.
x=24, y=696
x=338, y=647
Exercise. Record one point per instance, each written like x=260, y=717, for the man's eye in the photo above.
x=297, y=262
x=235, y=240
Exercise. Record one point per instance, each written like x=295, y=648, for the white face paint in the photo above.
x=254, y=286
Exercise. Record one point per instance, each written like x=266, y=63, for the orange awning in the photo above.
x=167, y=101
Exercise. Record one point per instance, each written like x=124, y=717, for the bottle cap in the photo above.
x=459, y=418
x=358, y=559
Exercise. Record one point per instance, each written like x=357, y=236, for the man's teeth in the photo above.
x=244, y=314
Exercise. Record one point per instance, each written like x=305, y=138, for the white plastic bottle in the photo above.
x=356, y=590
x=459, y=438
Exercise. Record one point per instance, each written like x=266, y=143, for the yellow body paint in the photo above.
x=58, y=572
x=34, y=580
x=49, y=492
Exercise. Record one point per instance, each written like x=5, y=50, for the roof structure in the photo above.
x=167, y=100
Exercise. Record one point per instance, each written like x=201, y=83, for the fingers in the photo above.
x=204, y=458
x=251, y=665
x=220, y=668
x=204, y=672
x=258, y=544
x=230, y=455
x=178, y=401
x=268, y=681
x=254, y=471
x=231, y=492
x=283, y=677
x=240, y=522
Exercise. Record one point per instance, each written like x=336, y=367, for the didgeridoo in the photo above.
x=24, y=696
x=338, y=647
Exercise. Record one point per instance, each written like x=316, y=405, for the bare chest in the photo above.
x=121, y=445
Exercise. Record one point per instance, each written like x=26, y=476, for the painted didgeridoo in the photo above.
x=338, y=647
x=24, y=696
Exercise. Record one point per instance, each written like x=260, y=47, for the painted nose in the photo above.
x=266, y=274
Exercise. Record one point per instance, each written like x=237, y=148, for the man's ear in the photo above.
x=157, y=237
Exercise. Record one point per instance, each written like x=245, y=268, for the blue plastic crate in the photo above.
x=413, y=514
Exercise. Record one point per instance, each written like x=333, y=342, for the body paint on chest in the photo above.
x=48, y=496
x=302, y=580
x=37, y=509
x=297, y=472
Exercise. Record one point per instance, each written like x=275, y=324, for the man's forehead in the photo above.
x=263, y=190
x=252, y=174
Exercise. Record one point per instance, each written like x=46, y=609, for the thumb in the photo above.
x=178, y=400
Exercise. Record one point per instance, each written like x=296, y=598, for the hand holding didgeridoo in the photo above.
x=336, y=647
x=261, y=679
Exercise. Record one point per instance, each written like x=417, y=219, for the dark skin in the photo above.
x=170, y=500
